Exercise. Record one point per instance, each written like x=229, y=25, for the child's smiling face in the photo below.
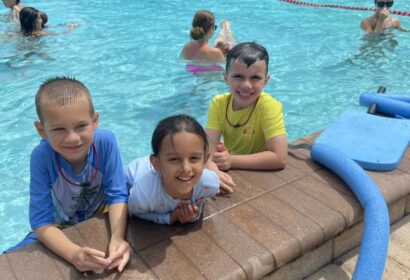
x=69, y=130
x=180, y=162
x=246, y=83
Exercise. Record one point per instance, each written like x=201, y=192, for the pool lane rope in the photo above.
x=376, y=225
x=317, y=5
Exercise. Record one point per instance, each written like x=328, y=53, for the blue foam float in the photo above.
x=357, y=140
x=388, y=104
x=375, y=236
x=374, y=142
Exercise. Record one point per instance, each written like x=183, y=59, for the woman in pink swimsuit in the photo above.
x=206, y=57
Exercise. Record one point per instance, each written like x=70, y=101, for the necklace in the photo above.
x=238, y=124
x=86, y=183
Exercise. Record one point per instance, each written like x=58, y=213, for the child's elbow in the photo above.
x=282, y=162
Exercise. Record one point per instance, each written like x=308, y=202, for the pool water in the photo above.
x=127, y=53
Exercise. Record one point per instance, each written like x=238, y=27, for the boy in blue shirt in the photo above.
x=75, y=173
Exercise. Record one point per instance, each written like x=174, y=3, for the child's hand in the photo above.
x=383, y=14
x=222, y=158
x=120, y=252
x=86, y=259
x=185, y=212
x=226, y=182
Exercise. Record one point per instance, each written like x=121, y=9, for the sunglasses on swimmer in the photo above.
x=382, y=4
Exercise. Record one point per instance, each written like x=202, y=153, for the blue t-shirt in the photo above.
x=58, y=196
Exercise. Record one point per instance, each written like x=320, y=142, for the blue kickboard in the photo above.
x=374, y=142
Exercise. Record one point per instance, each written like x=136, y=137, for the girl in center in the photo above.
x=171, y=185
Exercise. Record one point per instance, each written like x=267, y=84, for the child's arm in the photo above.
x=119, y=249
x=227, y=184
x=273, y=158
x=41, y=213
x=83, y=258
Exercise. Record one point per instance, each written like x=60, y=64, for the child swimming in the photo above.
x=33, y=23
x=171, y=185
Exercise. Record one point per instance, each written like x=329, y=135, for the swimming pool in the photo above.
x=126, y=52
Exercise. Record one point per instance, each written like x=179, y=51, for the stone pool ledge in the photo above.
x=277, y=225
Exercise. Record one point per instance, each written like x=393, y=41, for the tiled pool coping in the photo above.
x=278, y=225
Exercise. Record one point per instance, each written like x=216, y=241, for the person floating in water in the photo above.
x=381, y=20
x=204, y=57
x=33, y=22
x=225, y=39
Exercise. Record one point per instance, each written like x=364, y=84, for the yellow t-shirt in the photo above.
x=265, y=122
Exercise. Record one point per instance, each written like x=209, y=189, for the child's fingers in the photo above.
x=93, y=252
x=88, y=265
x=124, y=261
x=115, y=263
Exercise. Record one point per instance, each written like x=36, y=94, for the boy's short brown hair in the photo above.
x=59, y=91
x=247, y=53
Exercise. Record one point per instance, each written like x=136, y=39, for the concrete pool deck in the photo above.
x=283, y=224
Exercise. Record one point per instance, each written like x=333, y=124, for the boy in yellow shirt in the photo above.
x=250, y=121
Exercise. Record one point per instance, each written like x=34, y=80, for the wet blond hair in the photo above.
x=60, y=91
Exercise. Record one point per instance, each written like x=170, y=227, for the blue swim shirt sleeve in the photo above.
x=110, y=165
x=41, y=179
x=210, y=183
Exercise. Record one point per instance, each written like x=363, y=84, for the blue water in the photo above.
x=126, y=52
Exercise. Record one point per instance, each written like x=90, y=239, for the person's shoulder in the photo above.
x=217, y=54
x=266, y=97
x=222, y=97
x=139, y=166
x=186, y=50
x=209, y=182
x=268, y=102
x=395, y=22
x=42, y=148
x=103, y=135
x=210, y=177
x=219, y=101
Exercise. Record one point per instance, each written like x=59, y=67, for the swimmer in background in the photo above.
x=15, y=6
x=381, y=20
x=203, y=28
x=225, y=39
x=33, y=22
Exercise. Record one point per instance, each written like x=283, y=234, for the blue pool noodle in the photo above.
x=387, y=104
x=375, y=236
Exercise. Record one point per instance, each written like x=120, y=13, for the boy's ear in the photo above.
x=95, y=119
x=155, y=162
x=40, y=129
x=267, y=79
x=226, y=77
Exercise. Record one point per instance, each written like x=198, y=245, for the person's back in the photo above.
x=203, y=28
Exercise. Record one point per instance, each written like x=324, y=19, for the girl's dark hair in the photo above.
x=28, y=17
x=44, y=19
x=247, y=53
x=201, y=24
x=17, y=2
x=174, y=124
